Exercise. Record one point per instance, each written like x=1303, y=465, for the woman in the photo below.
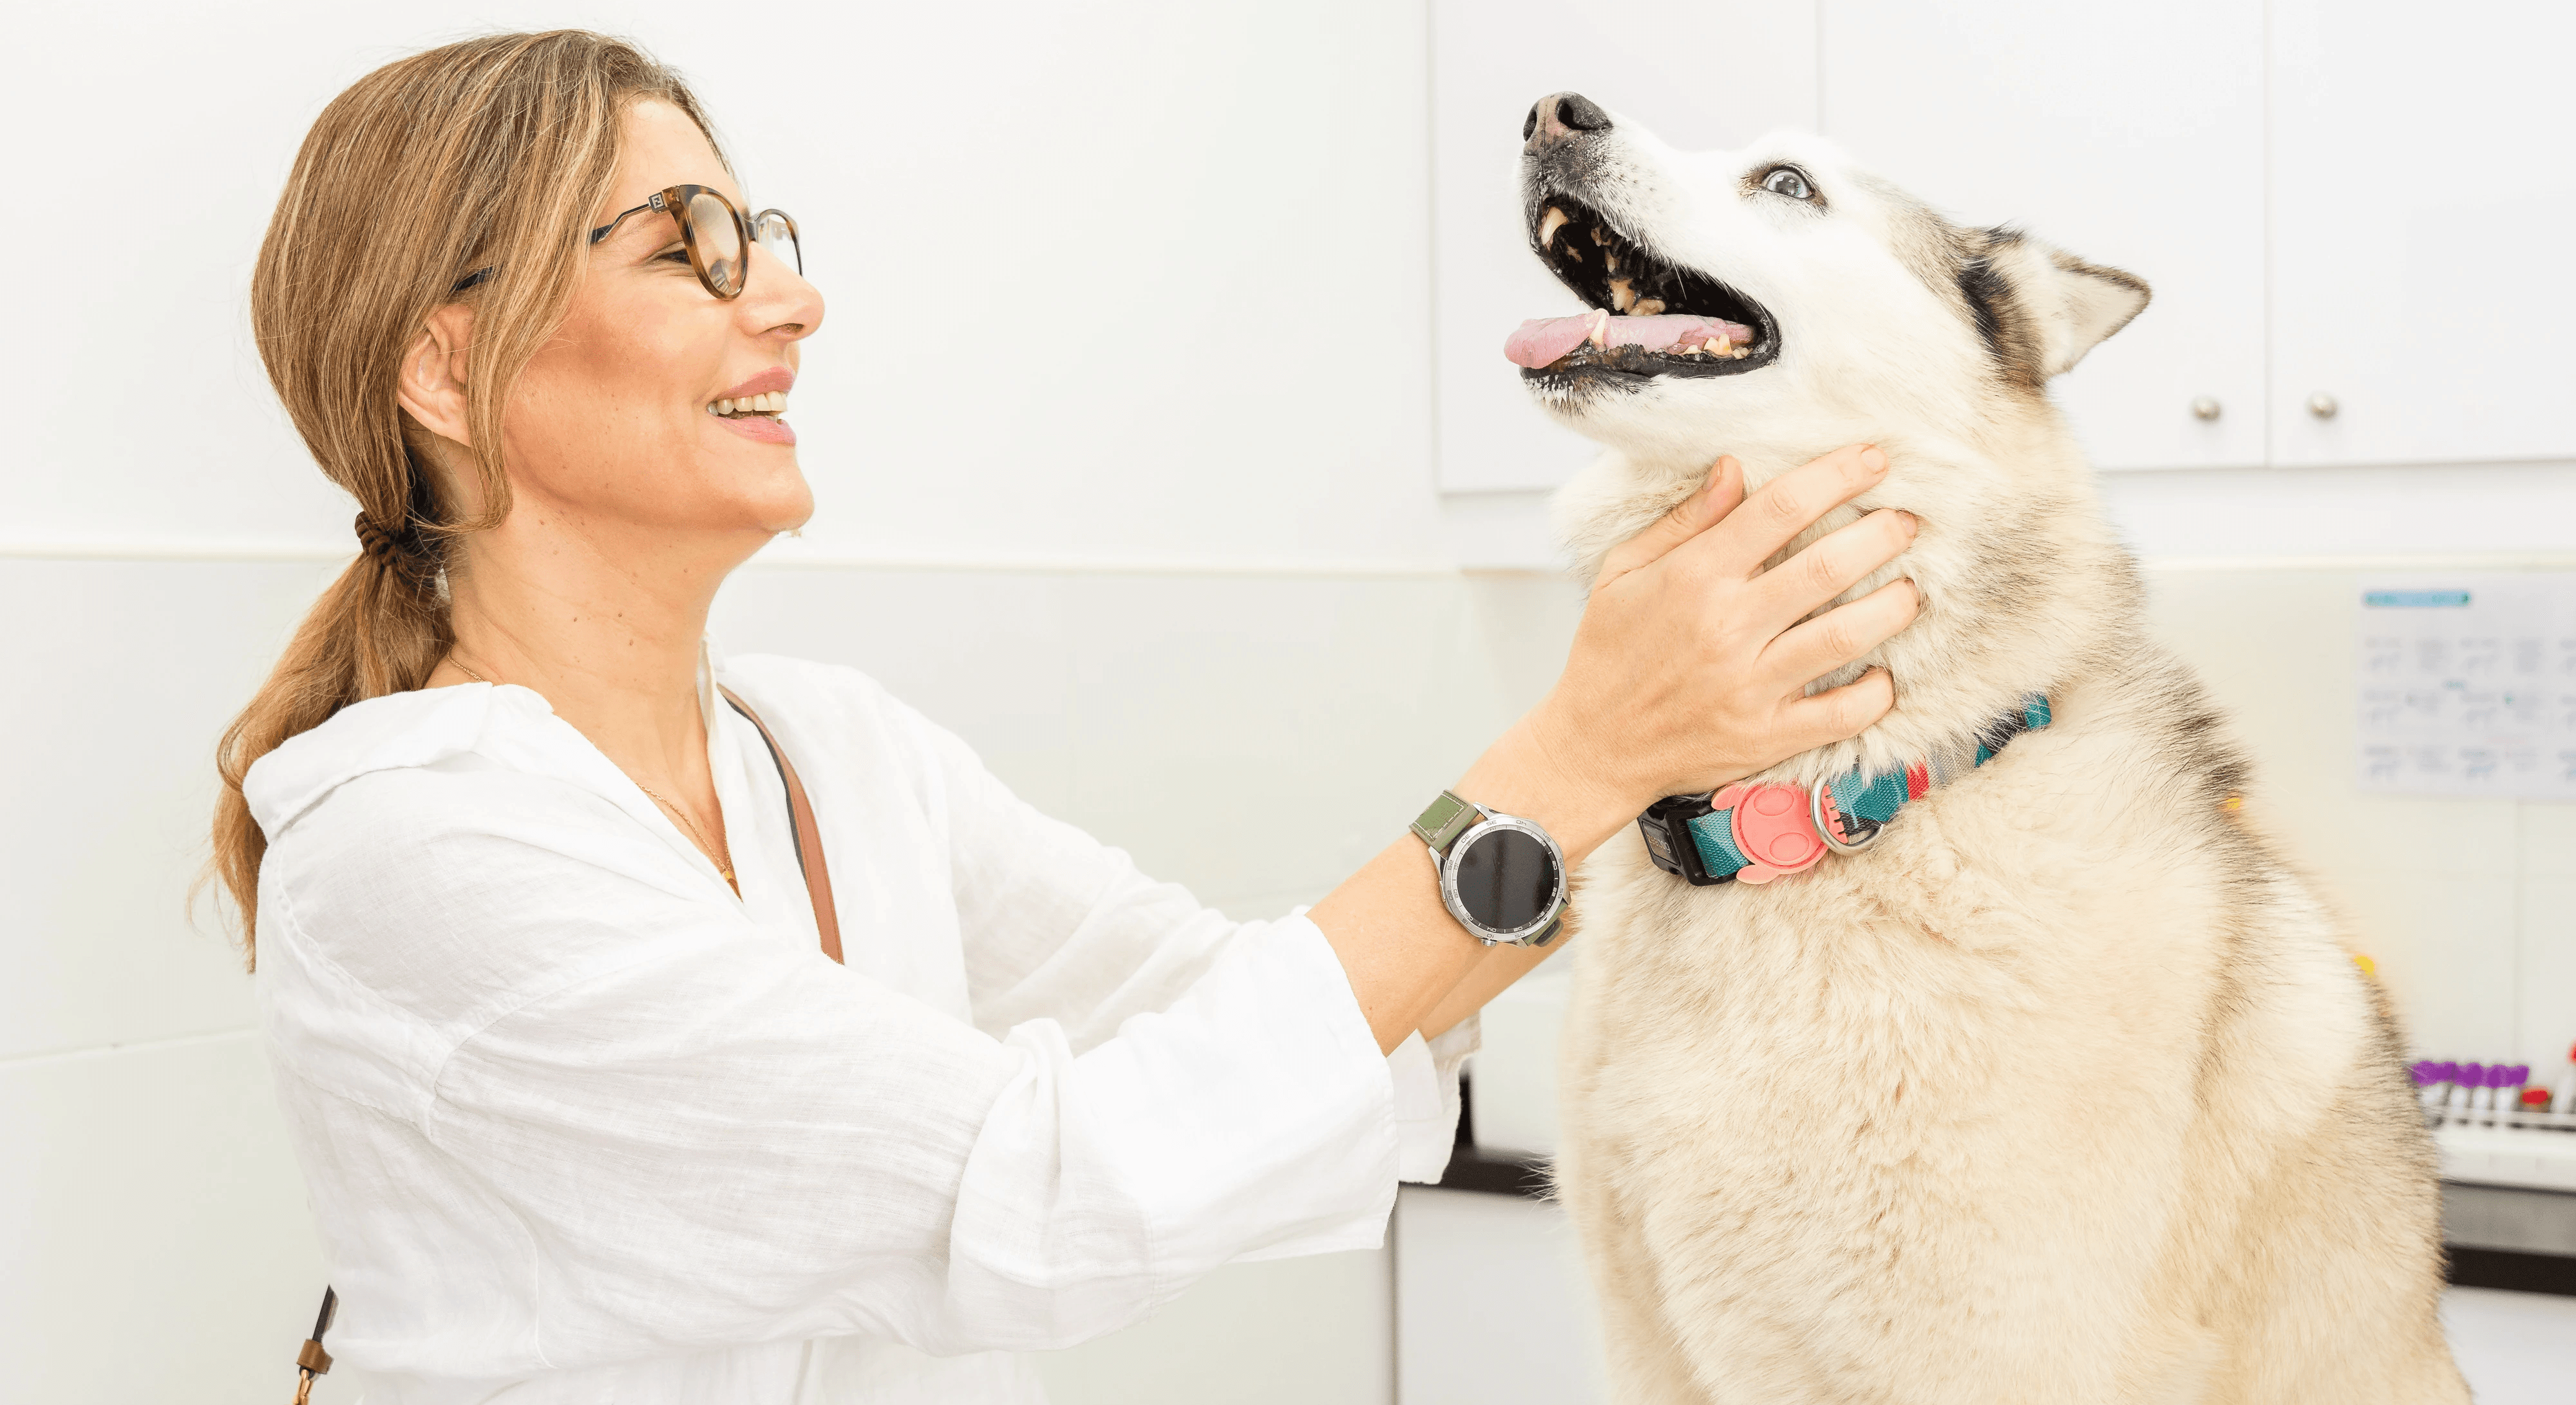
x=585, y=1113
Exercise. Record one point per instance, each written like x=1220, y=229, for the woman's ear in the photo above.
x=430, y=385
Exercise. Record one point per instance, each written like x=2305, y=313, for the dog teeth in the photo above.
x=1622, y=296
x=1649, y=307
x=1599, y=236
x=1739, y=353
x=1548, y=227
x=1720, y=346
x=1610, y=262
x=1600, y=337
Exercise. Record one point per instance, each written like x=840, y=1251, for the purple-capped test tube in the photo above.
x=2465, y=1087
x=2429, y=1083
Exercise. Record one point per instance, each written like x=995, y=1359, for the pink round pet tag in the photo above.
x=1773, y=829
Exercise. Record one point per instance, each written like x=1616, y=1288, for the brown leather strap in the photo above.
x=310, y=1359
x=809, y=836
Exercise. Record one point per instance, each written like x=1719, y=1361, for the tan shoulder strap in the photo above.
x=809, y=837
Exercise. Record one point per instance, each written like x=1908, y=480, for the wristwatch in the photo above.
x=1501, y=876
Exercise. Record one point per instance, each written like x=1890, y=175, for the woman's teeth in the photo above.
x=774, y=403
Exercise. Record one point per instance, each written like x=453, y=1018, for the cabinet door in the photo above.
x=2424, y=214
x=1701, y=73
x=2128, y=136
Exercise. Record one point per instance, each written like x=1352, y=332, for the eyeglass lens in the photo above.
x=719, y=242
x=777, y=234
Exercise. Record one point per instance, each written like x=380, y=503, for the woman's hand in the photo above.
x=1690, y=668
x=1689, y=671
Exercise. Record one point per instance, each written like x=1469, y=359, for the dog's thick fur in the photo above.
x=2065, y=1091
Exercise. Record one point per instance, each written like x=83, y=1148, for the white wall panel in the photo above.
x=120, y=676
x=1701, y=73
x=1107, y=280
x=153, y=1230
x=2544, y=967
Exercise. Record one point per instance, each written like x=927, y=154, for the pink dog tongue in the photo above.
x=1542, y=341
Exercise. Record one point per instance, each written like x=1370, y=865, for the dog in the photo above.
x=2060, y=1084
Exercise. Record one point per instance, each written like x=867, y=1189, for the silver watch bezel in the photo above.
x=1447, y=866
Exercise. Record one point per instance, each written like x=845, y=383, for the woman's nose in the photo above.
x=776, y=295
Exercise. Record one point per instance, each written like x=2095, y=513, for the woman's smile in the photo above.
x=752, y=409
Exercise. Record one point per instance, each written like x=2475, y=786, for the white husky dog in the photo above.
x=2057, y=1085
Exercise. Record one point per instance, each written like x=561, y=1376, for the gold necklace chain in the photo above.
x=722, y=854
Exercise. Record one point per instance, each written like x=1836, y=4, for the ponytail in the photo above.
x=488, y=154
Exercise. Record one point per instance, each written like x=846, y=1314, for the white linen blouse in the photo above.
x=579, y=1125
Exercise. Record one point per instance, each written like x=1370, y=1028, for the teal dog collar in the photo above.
x=1755, y=833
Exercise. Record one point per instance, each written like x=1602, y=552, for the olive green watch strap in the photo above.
x=1444, y=820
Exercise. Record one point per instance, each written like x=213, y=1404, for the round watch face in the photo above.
x=1506, y=878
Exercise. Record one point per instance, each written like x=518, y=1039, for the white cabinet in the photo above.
x=2127, y=137
x=1701, y=73
x=2424, y=231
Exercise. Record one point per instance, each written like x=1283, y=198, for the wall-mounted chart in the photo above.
x=2467, y=685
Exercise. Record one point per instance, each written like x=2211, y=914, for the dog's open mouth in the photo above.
x=1650, y=318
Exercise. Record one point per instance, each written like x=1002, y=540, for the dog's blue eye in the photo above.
x=1789, y=181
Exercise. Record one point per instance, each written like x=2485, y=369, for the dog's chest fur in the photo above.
x=1944, y=1100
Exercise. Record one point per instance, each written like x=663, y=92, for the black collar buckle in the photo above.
x=1669, y=842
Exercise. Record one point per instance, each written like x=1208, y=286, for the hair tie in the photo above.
x=374, y=540
x=401, y=550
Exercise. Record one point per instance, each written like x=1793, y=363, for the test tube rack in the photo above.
x=2532, y=1150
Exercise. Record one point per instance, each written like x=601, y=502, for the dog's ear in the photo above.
x=2040, y=309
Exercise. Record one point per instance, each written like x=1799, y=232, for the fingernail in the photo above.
x=1872, y=459
x=1913, y=525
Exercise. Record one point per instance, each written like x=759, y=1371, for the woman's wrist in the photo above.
x=1537, y=771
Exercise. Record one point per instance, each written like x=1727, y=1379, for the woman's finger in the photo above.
x=1841, y=635
x=1786, y=506
x=1693, y=515
x=1837, y=714
x=1830, y=565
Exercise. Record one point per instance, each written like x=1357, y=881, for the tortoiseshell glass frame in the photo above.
x=674, y=200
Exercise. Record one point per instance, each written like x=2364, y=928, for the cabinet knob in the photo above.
x=2205, y=408
x=2322, y=405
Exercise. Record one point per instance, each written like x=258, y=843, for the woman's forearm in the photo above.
x=1411, y=964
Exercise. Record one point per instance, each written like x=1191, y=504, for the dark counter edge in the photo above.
x=1474, y=1168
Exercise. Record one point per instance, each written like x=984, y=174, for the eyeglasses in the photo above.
x=717, y=235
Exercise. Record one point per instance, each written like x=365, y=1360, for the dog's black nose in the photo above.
x=1559, y=116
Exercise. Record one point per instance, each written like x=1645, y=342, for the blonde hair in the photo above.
x=489, y=154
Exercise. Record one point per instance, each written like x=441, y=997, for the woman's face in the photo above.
x=612, y=421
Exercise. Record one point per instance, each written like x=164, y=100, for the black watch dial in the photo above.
x=1506, y=878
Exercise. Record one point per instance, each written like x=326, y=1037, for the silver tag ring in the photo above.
x=1816, y=797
